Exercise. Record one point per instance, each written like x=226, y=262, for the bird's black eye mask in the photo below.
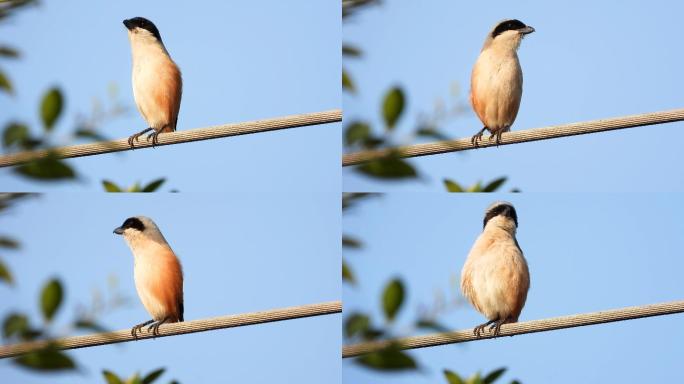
x=503, y=210
x=134, y=223
x=141, y=22
x=508, y=25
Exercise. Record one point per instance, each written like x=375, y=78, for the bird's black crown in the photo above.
x=141, y=22
x=505, y=210
x=508, y=25
x=133, y=222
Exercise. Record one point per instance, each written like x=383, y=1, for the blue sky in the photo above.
x=240, y=253
x=585, y=253
x=587, y=60
x=241, y=61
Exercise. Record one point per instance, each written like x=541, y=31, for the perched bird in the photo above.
x=495, y=278
x=157, y=83
x=497, y=79
x=157, y=271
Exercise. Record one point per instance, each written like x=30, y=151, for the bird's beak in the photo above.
x=527, y=30
x=129, y=24
x=119, y=231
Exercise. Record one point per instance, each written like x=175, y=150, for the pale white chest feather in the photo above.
x=497, y=275
x=149, y=59
x=497, y=85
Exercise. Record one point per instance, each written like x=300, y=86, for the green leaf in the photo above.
x=431, y=324
x=48, y=359
x=5, y=84
x=515, y=382
x=494, y=185
x=474, y=379
x=356, y=132
x=392, y=107
x=347, y=274
x=477, y=187
x=388, y=168
x=453, y=377
x=134, y=188
x=356, y=323
x=392, y=298
x=452, y=186
x=347, y=83
x=51, y=108
x=153, y=186
x=110, y=186
x=51, y=298
x=15, y=324
x=351, y=51
x=90, y=134
x=14, y=133
x=5, y=274
x=152, y=376
x=431, y=132
x=390, y=359
x=493, y=376
x=111, y=377
x=91, y=325
x=350, y=242
x=49, y=168
x=9, y=52
x=9, y=243
x=134, y=380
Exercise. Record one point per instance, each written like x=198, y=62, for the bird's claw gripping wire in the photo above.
x=138, y=328
x=137, y=135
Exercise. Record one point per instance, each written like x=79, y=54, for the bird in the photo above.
x=496, y=82
x=157, y=271
x=157, y=81
x=495, y=277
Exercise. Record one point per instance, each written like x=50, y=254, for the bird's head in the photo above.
x=508, y=33
x=502, y=214
x=139, y=229
x=140, y=28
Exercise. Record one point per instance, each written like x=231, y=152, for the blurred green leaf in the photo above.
x=356, y=323
x=6, y=242
x=51, y=298
x=432, y=325
x=452, y=186
x=347, y=274
x=135, y=188
x=90, y=134
x=14, y=133
x=515, y=382
x=493, y=376
x=134, y=380
x=5, y=84
x=453, y=377
x=494, y=185
x=111, y=377
x=152, y=376
x=432, y=132
x=154, y=185
x=390, y=359
x=347, y=83
x=9, y=52
x=392, y=107
x=48, y=359
x=91, y=325
x=356, y=132
x=5, y=274
x=350, y=242
x=15, y=324
x=350, y=51
x=349, y=198
x=49, y=168
x=388, y=168
x=110, y=186
x=477, y=187
x=51, y=108
x=392, y=298
x=475, y=379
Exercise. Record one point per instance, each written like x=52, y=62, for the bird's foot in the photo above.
x=155, y=138
x=477, y=136
x=138, y=328
x=135, y=137
x=155, y=327
x=496, y=327
x=480, y=329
